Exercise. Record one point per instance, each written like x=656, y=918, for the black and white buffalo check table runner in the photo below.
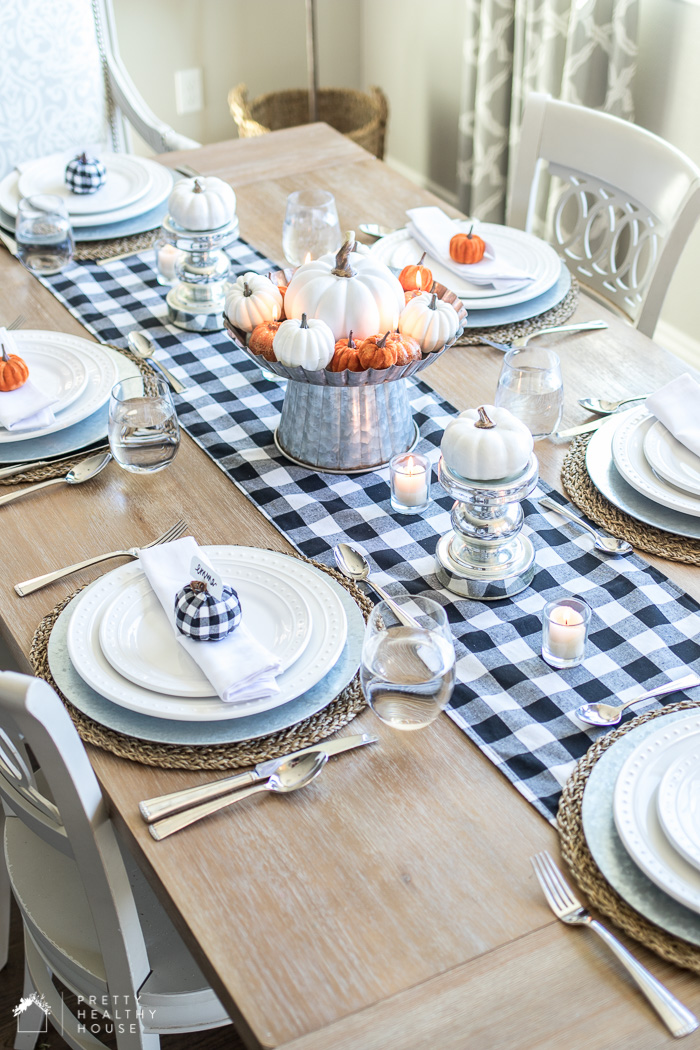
x=507, y=700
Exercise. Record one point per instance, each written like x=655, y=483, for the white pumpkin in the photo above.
x=486, y=444
x=309, y=343
x=432, y=321
x=202, y=203
x=251, y=300
x=348, y=291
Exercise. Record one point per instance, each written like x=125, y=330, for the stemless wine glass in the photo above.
x=144, y=434
x=408, y=673
x=43, y=233
x=311, y=226
x=530, y=386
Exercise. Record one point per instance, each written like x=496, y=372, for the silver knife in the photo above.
x=585, y=428
x=164, y=805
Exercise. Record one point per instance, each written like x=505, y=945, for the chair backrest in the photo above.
x=620, y=202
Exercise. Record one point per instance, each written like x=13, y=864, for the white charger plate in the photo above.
x=126, y=180
x=628, y=455
x=138, y=640
x=671, y=460
x=678, y=805
x=101, y=370
x=635, y=810
x=529, y=253
x=64, y=374
x=329, y=629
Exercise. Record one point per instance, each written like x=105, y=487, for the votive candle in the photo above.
x=565, y=631
x=410, y=483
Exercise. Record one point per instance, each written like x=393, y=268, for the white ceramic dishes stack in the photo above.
x=671, y=460
x=628, y=449
x=126, y=180
x=678, y=805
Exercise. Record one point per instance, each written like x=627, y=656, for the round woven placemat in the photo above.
x=91, y=251
x=581, y=490
x=586, y=872
x=559, y=313
x=317, y=727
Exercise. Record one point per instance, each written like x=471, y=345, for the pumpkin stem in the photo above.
x=4, y=352
x=471, y=230
x=83, y=158
x=420, y=261
x=342, y=259
x=382, y=342
x=433, y=302
x=483, y=422
x=303, y=321
x=199, y=586
x=247, y=290
x=197, y=188
x=351, y=341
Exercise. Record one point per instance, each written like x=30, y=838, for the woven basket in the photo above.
x=362, y=117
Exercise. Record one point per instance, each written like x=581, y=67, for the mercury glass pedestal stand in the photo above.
x=485, y=557
x=196, y=300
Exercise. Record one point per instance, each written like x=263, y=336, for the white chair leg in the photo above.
x=32, y=1020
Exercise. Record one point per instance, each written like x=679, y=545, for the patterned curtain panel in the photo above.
x=581, y=51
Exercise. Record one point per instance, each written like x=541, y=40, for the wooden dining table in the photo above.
x=391, y=905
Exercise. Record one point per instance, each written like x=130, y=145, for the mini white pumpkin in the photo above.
x=486, y=444
x=251, y=300
x=308, y=343
x=432, y=321
x=348, y=291
x=202, y=203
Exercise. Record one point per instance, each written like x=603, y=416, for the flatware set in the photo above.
x=83, y=471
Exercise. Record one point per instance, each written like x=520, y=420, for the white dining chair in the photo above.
x=90, y=919
x=620, y=202
x=63, y=84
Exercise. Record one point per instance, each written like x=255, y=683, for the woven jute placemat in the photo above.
x=91, y=251
x=581, y=491
x=311, y=730
x=584, y=870
x=558, y=314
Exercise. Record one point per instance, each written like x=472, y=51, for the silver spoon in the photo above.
x=599, y=404
x=293, y=774
x=141, y=344
x=603, y=542
x=80, y=473
x=607, y=715
x=373, y=229
x=355, y=566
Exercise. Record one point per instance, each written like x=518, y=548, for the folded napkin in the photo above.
x=677, y=406
x=238, y=666
x=433, y=231
x=26, y=408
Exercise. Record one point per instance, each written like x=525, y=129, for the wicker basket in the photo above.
x=362, y=117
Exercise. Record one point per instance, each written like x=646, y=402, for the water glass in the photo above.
x=43, y=233
x=530, y=386
x=311, y=226
x=408, y=673
x=144, y=434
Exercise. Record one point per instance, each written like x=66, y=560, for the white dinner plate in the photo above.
x=671, y=460
x=678, y=805
x=62, y=374
x=126, y=181
x=521, y=249
x=138, y=640
x=100, y=368
x=635, y=809
x=329, y=629
x=628, y=455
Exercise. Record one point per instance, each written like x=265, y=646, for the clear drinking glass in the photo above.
x=311, y=226
x=144, y=434
x=408, y=674
x=43, y=233
x=530, y=386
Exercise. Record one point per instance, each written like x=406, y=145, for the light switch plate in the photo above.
x=189, y=91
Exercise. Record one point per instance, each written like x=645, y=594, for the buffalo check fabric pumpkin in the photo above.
x=514, y=707
x=201, y=616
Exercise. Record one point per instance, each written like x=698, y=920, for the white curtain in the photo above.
x=581, y=51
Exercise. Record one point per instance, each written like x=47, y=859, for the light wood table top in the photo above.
x=391, y=905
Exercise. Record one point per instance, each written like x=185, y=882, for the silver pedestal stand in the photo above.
x=485, y=557
x=196, y=300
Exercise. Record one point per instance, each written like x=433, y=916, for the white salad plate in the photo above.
x=635, y=809
x=138, y=640
x=100, y=371
x=628, y=455
x=126, y=180
x=678, y=805
x=531, y=255
x=671, y=460
x=328, y=633
x=64, y=374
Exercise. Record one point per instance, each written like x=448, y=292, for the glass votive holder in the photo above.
x=565, y=624
x=410, y=483
x=166, y=254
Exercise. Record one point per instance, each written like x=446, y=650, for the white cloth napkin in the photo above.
x=433, y=231
x=27, y=407
x=677, y=406
x=238, y=666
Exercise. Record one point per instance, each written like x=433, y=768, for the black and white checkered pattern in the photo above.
x=85, y=176
x=507, y=700
x=201, y=616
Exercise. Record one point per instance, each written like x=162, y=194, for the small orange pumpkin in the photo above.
x=467, y=248
x=416, y=278
x=13, y=371
x=392, y=348
x=345, y=356
x=261, y=339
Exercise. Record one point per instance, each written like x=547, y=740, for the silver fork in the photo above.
x=29, y=586
x=523, y=340
x=679, y=1020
